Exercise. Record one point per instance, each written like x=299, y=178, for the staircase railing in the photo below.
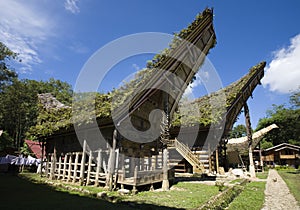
x=187, y=154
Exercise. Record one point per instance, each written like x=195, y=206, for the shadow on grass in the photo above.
x=294, y=172
x=19, y=193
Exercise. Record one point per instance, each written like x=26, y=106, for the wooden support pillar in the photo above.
x=47, y=165
x=261, y=162
x=82, y=167
x=209, y=159
x=116, y=168
x=42, y=159
x=59, y=167
x=149, y=164
x=75, y=167
x=249, y=137
x=89, y=168
x=111, y=163
x=53, y=165
x=69, y=168
x=165, y=183
x=99, y=165
x=217, y=159
x=135, y=177
x=65, y=165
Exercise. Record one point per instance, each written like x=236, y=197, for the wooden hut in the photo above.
x=283, y=154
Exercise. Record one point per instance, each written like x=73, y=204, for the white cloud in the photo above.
x=201, y=78
x=71, y=6
x=79, y=48
x=23, y=27
x=136, y=67
x=283, y=73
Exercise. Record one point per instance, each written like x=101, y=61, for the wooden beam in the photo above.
x=111, y=163
x=249, y=137
x=82, y=167
x=165, y=183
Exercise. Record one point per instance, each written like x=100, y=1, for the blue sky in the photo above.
x=54, y=38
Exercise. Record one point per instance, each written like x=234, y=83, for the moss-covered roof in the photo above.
x=214, y=106
x=50, y=121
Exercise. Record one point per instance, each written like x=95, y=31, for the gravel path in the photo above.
x=277, y=194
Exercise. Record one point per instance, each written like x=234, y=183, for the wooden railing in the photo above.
x=187, y=154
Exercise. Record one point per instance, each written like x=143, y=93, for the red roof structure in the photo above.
x=35, y=147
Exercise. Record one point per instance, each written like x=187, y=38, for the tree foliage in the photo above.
x=238, y=131
x=19, y=104
x=288, y=121
x=6, y=74
x=5, y=141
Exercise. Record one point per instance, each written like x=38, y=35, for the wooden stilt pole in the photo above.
x=217, y=159
x=99, y=162
x=135, y=176
x=82, y=167
x=165, y=183
x=89, y=168
x=249, y=136
x=59, y=168
x=69, y=168
x=111, y=163
x=65, y=165
x=75, y=167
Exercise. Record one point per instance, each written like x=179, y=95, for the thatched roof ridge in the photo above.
x=241, y=144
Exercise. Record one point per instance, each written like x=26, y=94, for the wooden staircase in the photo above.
x=184, y=150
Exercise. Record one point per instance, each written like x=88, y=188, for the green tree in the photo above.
x=5, y=141
x=6, y=74
x=288, y=121
x=295, y=100
x=238, y=131
x=19, y=104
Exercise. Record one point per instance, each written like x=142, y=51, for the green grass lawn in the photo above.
x=184, y=195
x=252, y=198
x=262, y=175
x=292, y=179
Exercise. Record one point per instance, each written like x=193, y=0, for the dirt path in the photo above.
x=277, y=194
